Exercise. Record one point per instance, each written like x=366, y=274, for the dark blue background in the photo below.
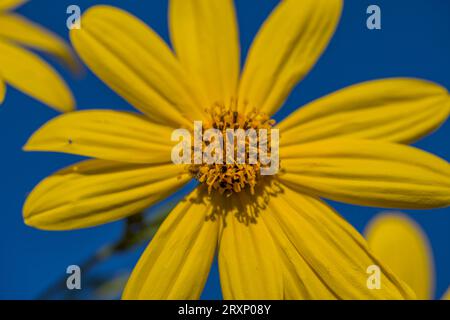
x=414, y=41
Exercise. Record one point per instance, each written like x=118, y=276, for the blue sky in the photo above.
x=413, y=42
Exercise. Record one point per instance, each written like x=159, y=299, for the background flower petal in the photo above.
x=176, y=263
x=446, y=295
x=397, y=110
x=95, y=192
x=365, y=172
x=314, y=236
x=136, y=63
x=22, y=31
x=11, y=4
x=285, y=49
x=401, y=244
x=105, y=134
x=2, y=90
x=33, y=76
x=205, y=37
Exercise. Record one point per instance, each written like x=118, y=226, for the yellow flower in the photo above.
x=274, y=236
x=400, y=243
x=24, y=70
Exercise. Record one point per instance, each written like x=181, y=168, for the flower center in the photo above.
x=244, y=136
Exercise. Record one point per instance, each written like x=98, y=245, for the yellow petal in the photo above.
x=10, y=4
x=95, y=192
x=176, y=263
x=397, y=110
x=104, y=134
x=400, y=243
x=205, y=37
x=284, y=51
x=20, y=30
x=31, y=75
x=249, y=263
x=136, y=63
x=365, y=172
x=2, y=90
x=300, y=279
x=315, y=237
x=446, y=295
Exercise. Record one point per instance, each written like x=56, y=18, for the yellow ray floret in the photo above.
x=24, y=70
x=368, y=172
x=397, y=110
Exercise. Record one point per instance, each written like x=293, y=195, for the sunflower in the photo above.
x=402, y=245
x=24, y=70
x=274, y=236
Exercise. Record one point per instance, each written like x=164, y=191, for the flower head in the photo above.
x=274, y=236
x=24, y=70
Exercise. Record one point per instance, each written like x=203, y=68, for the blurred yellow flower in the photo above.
x=23, y=69
x=282, y=240
x=401, y=244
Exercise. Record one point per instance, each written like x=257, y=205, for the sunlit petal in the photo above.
x=20, y=30
x=365, y=172
x=136, y=63
x=95, y=192
x=176, y=263
x=32, y=75
x=205, y=38
x=2, y=90
x=105, y=134
x=249, y=262
x=285, y=49
x=397, y=110
x=324, y=254
x=11, y=4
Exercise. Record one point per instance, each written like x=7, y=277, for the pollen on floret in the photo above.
x=233, y=176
